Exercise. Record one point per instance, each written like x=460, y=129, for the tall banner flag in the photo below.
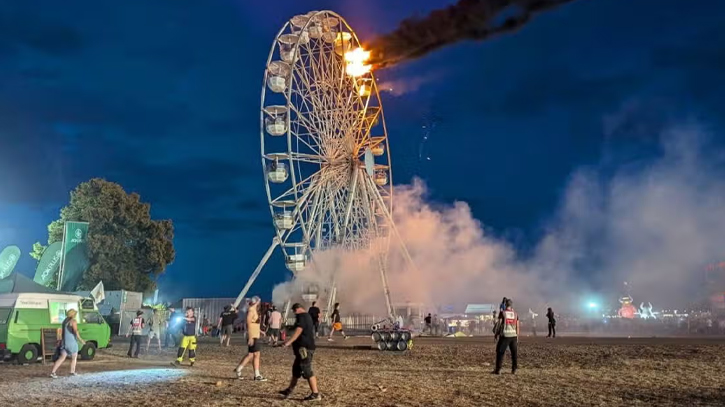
x=49, y=264
x=8, y=259
x=74, y=260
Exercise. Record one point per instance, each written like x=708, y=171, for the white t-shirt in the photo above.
x=275, y=320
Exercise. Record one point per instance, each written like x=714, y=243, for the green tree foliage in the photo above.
x=127, y=249
x=38, y=250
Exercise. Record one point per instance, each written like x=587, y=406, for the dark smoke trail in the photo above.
x=466, y=20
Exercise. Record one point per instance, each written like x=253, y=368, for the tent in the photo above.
x=17, y=283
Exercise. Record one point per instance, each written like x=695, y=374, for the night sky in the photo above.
x=163, y=98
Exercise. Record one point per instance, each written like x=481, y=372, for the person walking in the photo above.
x=253, y=342
x=70, y=337
x=303, y=347
x=136, y=332
x=275, y=324
x=188, y=341
x=226, y=324
x=315, y=315
x=552, y=323
x=428, y=324
x=336, y=323
x=509, y=338
x=156, y=327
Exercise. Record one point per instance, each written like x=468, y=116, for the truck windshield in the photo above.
x=4, y=315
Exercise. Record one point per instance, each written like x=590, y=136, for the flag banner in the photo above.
x=8, y=259
x=49, y=264
x=98, y=293
x=74, y=261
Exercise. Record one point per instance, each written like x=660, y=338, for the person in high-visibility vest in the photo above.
x=188, y=341
x=508, y=337
x=136, y=331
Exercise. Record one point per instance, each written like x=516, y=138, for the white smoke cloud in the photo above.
x=652, y=224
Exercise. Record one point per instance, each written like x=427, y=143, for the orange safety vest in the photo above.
x=510, y=319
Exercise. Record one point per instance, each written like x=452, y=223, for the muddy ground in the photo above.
x=436, y=372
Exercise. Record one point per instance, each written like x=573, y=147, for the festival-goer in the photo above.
x=136, y=331
x=552, y=323
x=303, y=346
x=188, y=341
x=508, y=338
x=226, y=324
x=336, y=323
x=315, y=315
x=275, y=324
x=155, y=329
x=70, y=337
x=429, y=324
x=254, y=345
x=171, y=329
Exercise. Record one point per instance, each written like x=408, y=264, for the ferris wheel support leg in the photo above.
x=240, y=297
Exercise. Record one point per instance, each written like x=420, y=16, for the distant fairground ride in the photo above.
x=324, y=150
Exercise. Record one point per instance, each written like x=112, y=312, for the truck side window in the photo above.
x=92, y=317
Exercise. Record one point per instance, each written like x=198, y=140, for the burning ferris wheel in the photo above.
x=324, y=147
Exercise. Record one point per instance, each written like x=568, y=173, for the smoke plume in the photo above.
x=466, y=20
x=653, y=224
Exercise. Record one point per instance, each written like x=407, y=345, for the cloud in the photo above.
x=402, y=86
x=653, y=225
x=19, y=29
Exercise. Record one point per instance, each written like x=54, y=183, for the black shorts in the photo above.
x=303, y=367
x=227, y=329
x=273, y=332
x=316, y=323
x=255, y=346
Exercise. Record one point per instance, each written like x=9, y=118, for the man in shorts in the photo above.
x=155, y=330
x=253, y=334
x=336, y=323
x=226, y=324
x=275, y=324
x=303, y=346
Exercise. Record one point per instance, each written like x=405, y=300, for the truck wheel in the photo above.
x=28, y=354
x=88, y=351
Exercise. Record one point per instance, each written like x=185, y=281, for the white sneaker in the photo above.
x=53, y=375
x=330, y=340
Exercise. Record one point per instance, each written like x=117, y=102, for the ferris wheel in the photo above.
x=324, y=147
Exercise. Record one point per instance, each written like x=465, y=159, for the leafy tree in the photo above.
x=38, y=250
x=127, y=249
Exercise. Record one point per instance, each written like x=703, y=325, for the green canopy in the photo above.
x=17, y=283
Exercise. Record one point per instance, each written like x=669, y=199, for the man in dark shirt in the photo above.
x=188, y=341
x=226, y=324
x=552, y=322
x=429, y=324
x=315, y=314
x=336, y=323
x=303, y=346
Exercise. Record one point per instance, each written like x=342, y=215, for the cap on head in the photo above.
x=255, y=300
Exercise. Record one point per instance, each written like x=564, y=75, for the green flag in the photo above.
x=74, y=261
x=8, y=259
x=49, y=264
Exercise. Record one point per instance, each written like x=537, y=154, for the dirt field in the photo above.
x=437, y=372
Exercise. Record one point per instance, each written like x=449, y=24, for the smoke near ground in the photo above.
x=653, y=224
x=466, y=20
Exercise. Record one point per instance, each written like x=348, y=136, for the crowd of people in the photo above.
x=182, y=331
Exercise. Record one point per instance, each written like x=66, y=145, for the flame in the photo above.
x=356, y=62
x=362, y=90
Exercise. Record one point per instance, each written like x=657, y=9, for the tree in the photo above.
x=126, y=248
x=38, y=250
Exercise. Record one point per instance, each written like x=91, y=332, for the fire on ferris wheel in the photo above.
x=324, y=149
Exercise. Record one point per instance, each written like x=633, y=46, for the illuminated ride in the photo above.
x=627, y=310
x=325, y=153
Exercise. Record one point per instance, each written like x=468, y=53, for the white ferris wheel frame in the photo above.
x=355, y=220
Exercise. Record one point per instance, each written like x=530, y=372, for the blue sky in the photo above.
x=163, y=98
